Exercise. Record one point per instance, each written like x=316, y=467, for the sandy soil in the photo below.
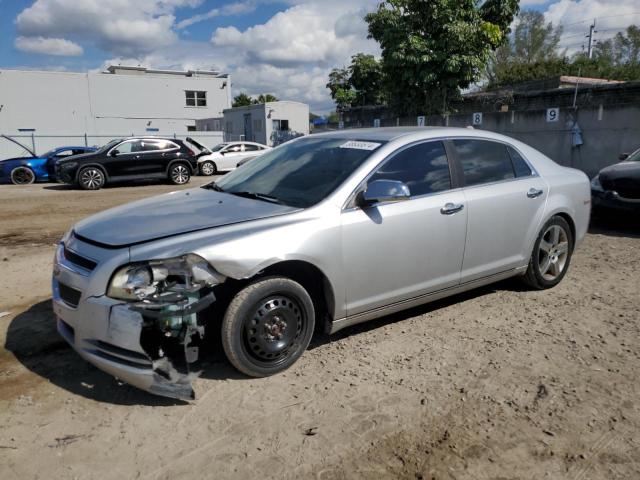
x=499, y=383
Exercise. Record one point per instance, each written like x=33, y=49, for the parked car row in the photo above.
x=124, y=159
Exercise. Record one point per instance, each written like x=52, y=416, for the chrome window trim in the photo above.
x=175, y=146
x=347, y=207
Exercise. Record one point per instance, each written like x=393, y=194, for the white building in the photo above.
x=267, y=123
x=60, y=108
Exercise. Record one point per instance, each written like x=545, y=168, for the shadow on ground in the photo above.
x=615, y=224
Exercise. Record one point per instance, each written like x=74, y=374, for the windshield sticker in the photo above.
x=360, y=145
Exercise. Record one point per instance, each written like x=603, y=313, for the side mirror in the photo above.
x=114, y=153
x=623, y=156
x=383, y=191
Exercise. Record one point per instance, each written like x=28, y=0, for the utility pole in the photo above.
x=591, y=32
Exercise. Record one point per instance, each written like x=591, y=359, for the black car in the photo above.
x=618, y=186
x=131, y=159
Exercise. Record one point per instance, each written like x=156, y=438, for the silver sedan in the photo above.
x=331, y=230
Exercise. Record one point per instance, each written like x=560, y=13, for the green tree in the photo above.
x=340, y=87
x=533, y=39
x=365, y=77
x=433, y=48
x=533, y=42
x=265, y=98
x=622, y=49
x=242, y=100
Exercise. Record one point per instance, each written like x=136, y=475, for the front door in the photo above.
x=397, y=251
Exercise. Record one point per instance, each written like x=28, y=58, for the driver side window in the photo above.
x=424, y=168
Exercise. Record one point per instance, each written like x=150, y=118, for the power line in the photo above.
x=599, y=18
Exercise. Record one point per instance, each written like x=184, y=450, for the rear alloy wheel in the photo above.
x=22, y=176
x=208, y=168
x=551, y=255
x=268, y=326
x=179, y=174
x=91, y=178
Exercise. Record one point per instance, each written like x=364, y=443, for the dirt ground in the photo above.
x=499, y=383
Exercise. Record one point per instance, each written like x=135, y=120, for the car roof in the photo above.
x=387, y=134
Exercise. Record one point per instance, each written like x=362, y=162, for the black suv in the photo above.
x=129, y=159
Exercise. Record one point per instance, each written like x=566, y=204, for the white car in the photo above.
x=226, y=156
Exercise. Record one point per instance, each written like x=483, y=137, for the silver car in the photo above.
x=327, y=230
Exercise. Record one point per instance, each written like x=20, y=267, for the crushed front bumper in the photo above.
x=108, y=332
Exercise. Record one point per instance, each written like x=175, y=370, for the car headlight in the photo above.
x=138, y=281
x=596, y=185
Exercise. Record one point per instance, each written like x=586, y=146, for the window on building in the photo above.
x=281, y=124
x=424, y=168
x=483, y=161
x=196, y=98
x=191, y=128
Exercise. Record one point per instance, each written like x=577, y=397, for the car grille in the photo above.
x=79, y=260
x=120, y=355
x=69, y=295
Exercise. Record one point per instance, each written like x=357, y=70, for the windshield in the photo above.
x=300, y=173
x=219, y=147
x=112, y=143
x=634, y=157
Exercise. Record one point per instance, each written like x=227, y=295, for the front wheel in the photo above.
x=91, y=178
x=179, y=174
x=22, y=176
x=268, y=326
x=208, y=168
x=551, y=255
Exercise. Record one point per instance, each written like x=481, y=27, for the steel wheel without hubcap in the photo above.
x=272, y=333
x=22, y=176
x=91, y=178
x=553, y=252
x=207, y=168
x=180, y=175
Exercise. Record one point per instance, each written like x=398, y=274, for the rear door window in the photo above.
x=483, y=161
x=424, y=168
x=520, y=165
x=248, y=147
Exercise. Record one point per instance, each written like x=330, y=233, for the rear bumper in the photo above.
x=609, y=199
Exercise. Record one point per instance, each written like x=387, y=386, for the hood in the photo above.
x=172, y=214
x=622, y=169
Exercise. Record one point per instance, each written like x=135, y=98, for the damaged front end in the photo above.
x=168, y=295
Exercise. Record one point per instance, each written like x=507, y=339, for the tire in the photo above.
x=22, y=176
x=91, y=178
x=267, y=326
x=551, y=255
x=208, y=168
x=179, y=174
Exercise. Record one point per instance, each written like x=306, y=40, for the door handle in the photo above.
x=534, y=193
x=451, y=208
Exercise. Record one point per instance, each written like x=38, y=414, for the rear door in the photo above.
x=397, y=251
x=155, y=155
x=505, y=199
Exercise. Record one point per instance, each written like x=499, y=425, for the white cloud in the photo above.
x=118, y=26
x=231, y=9
x=576, y=16
x=48, y=46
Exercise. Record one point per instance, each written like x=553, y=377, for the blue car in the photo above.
x=36, y=168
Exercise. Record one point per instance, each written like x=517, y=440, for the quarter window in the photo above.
x=248, y=147
x=424, y=168
x=520, y=166
x=196, y=98
x=483, y=161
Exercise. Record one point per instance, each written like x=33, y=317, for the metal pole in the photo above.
x=33, y=142
x=591, y=31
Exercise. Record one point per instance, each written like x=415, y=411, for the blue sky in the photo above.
x=285, y=47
